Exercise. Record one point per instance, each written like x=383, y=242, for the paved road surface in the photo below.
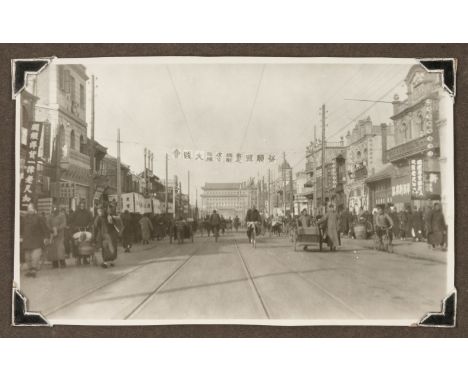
x=231, y=280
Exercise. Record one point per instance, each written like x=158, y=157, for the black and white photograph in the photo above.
x=234, y=190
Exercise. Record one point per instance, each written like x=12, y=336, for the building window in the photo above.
x=66, y=80
x=405, y=132
x=72, y=140
x=82, y=96
x=72, y=88
x=61, y=142
x=82, y=145
x=61, y=78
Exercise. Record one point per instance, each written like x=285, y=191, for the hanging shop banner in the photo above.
x=30, y=165
x=417, y=178
x=223, y=157
x=432, y=187
x=401, y=189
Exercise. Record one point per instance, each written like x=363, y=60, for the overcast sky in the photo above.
x=257, y=108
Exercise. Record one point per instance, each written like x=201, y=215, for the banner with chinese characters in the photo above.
x=223, y=157
x=28, y=183
x=417, y=180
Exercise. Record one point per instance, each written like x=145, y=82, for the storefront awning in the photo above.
x=386, y=173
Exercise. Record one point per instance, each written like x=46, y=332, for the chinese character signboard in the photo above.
x=224, y=157
x=417, y=180
x=30, y=166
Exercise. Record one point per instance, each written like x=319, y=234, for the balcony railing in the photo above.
x=412, y=147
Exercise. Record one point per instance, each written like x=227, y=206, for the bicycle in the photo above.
x=384, y=244
x=252, y=226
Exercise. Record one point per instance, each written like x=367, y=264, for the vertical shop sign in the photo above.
x=28, y=183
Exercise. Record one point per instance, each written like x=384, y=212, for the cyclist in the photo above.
x=383, y=223
x=215, y=222
x=253, y=216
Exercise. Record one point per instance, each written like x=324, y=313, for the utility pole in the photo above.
x=196, y=203
x=179, y=193
x=119, y=180
x=269, y=195
x=91, y=151
x=145, y=172
x=283, y=175
x=166, y=185
x=188, y=194
x=323, y=157
x=174, y=197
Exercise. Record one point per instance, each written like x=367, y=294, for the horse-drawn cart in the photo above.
x=308, y=236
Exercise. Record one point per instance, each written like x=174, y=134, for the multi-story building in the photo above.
x=61, y=92
x=366, y=146
x=301, y=200
x=416, y=152
x=332, y=177
x=229, y=199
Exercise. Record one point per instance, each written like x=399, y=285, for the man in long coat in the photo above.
x=146, y=228
x=331, y=220
x=438, y=228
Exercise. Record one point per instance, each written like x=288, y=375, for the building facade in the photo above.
x=366, y=147
x=228, y=199
x=61, y=92
x=416, y=152
x=330, y=179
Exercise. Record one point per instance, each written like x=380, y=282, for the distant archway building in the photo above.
x=228, y=199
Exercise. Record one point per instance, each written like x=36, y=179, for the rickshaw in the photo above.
x=84, y=245
x=308, y=236
x=182, y=229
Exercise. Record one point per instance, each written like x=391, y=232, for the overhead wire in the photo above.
x=366, y=110
x=180, y=105
x=253, y=107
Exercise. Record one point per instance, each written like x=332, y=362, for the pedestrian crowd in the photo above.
x=59, y=235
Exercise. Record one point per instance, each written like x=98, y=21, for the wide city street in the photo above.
x=230, y=279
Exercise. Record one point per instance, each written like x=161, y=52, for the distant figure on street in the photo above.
x=396, y=223
x=252, y=216
x=127, y=231
x=215, y=223
x=81, y=220
x=34, y=235
x=437, y=228
x=146, y=229
x=236, y=223
x=330, y=220
x=304, y=219
x=417, y=225
x=57, y=222
x=106, y=236
x=382, y=222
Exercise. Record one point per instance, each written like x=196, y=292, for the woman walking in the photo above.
x=57, y=223
x=34, y=235
x=106, y=236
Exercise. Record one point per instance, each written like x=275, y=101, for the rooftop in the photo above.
x=222, y=186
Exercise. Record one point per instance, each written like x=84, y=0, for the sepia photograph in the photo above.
x=234, y=190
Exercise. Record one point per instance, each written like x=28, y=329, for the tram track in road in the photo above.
x=114, y=280
x=141, y=305
x=318, y=286
x=252, y=282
